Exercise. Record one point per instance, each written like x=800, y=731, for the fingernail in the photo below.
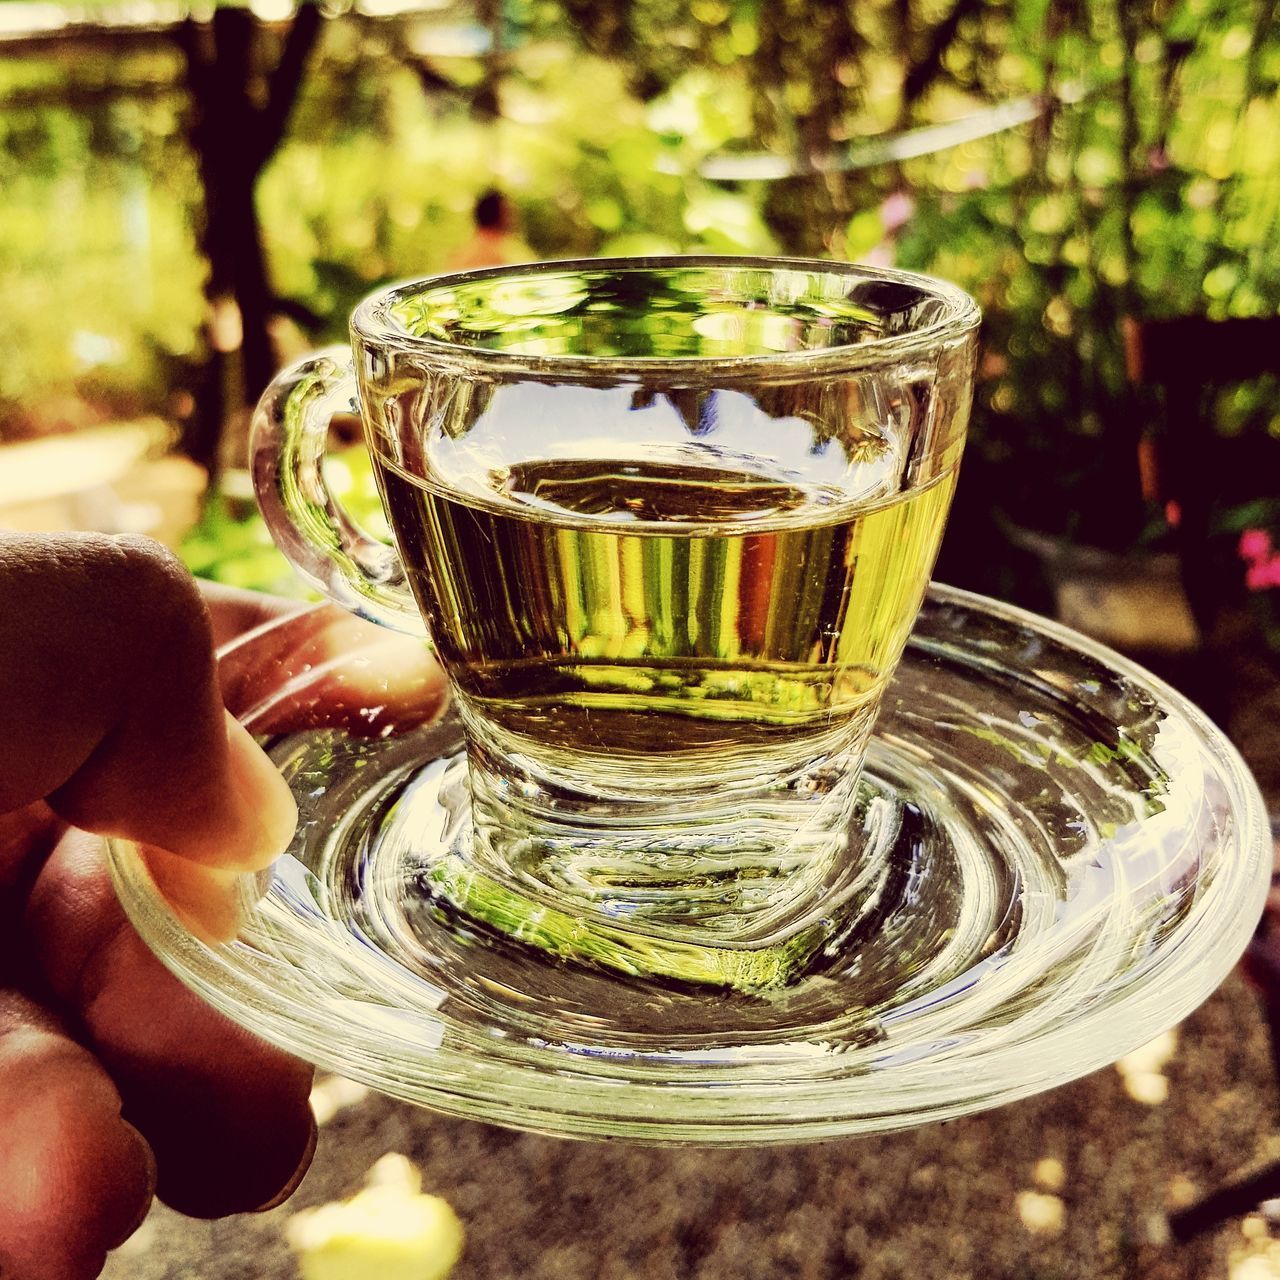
x=267, y=808
x=295, y=1179
x=149, y=1188
x=206, y=899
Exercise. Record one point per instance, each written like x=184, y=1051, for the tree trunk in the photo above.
x=234, y=131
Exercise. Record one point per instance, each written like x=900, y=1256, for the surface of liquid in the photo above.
x=628, y=611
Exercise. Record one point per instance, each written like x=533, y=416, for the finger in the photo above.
x=234, y=610
x=318, y=668
x=27, y=836
x=325, y=668
x=226, y=1114
x=75, y=1178
x=212, y=902
x=109, y=703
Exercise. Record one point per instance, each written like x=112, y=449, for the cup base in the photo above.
x=760, y=910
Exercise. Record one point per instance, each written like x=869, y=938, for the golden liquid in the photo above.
x=631, y=611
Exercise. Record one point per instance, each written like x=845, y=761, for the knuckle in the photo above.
x=149, y=560
x=123, y=605
x=147, y=589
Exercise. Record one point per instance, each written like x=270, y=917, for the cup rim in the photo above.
x=372, y=325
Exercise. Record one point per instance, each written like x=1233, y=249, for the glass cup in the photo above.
x=668, y=523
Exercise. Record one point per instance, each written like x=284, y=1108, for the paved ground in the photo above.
x=1071, y=1184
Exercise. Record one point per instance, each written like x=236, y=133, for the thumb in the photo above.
x=109, y=704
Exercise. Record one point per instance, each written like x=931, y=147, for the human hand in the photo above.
x=115, y=1082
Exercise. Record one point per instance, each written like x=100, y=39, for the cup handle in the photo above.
x=320, y=539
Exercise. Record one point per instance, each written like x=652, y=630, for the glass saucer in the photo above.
x=1076, y=859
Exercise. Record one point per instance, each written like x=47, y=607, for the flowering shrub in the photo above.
x=1255, y=549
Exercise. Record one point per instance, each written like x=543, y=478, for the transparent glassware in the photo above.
x=668, y=523
x=1074, y=858
x=1006, y=857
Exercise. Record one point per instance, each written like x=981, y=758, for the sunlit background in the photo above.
x=191, y=196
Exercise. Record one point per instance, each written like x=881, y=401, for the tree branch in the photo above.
x=306, y=318
x=428, y=77
x=285, y=81
x=194, y=40
x=920, y=77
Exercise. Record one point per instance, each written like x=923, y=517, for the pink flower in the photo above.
x=896, y=210
x=1263, y=574
x=1255, y=545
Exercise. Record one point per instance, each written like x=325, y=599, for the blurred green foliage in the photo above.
x=1147, y=183
x=100, y=282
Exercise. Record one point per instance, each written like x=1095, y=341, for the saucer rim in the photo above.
x=644, y=1103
